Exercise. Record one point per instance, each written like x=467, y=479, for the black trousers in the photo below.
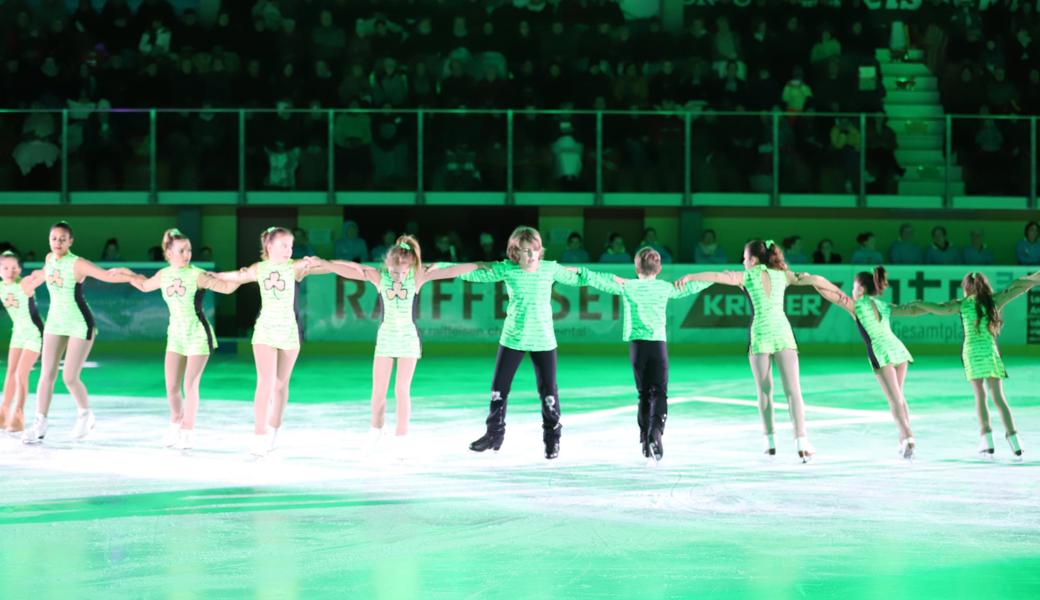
x=650, y=367
x=506, y=364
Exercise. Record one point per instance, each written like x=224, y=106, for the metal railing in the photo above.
x=510, y=152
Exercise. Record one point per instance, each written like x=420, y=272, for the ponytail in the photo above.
x=405, y=249
x=768, y=253
x=873, y=282
x=880, y=277
x=170, y=236
x=268, y=236
x=977, y=284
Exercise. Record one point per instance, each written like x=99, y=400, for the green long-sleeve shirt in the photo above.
x=645, y=302
x=529, y=323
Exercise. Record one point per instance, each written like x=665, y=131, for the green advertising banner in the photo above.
x=457, y=311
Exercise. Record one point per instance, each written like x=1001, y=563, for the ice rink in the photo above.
x=118, y=516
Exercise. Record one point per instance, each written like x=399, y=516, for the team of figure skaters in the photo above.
x=69, y=331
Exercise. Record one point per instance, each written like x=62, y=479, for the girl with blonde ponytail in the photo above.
x=398, y=280
x=980, y=316
x=189, y=335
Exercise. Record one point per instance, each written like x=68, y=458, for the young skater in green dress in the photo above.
x=764, y=280
x=189, y=336
x=19, y=297
x=398, y=281
x=68, y=330
x=276, y=334
x=886, y=353
x=979, y=310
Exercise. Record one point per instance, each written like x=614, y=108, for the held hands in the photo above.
x=682, y=281
x=484, y=266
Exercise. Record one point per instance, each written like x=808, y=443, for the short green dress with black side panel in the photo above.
x=68, y=313
x=189, y=333
x=277, y=325
x=27, y=333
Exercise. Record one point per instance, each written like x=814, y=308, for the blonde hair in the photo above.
x=521, y=235
x=268, y=236
x=405, y=249
x=170, y=236
x=11, y=254
x=648, y=261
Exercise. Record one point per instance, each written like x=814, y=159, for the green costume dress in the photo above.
x=27, y=333
x=883, y=347
x=770, y=330
x=645, y=302
x=529, y=322
x=398, y=336
x=68, y=313
x=980, y=354
x=189, y=333
x=276, y=326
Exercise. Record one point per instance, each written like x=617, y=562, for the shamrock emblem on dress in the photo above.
x=274, y=283
x=54, y=277
x=396, y=291
x=10, y=301
x=176, y=288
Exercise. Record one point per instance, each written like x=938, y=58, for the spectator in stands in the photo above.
x=977, y=252
x=379, y=251
x=1027, y=250
x=1002, y=95
x=796, y=93
x=575, y=251
x=708, y=250
x=615, y=252
x=845, y=143
x=567, y=157
x=205, y=254
x=390, y=84
x=650, y=241
x=351, y=246
x=827, y=48
x=825, y=254
x=301, y=243
x=793, y=253
x=866, y=254
x=905, y=251
x=941, y=251
x=445, y=249
x=486, y=250
x=110, y=253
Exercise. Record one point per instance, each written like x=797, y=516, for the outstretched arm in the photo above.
x=208, y=281
x=733, y=278
x=937, y=308
x=32, y=281
x=348, y=269
x=604, y=282
x=433, y=272
x=912, y=309
x=570, y=276
x=1015, y=289
x=829, y=291
x=147, y=284
x=243, y=275
x=491, y=275
x=84, y=268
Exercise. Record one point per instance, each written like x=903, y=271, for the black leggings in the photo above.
x=650, y=366
x=506, y=364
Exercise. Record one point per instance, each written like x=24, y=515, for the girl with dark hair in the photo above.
x=887, y=355
x=825, y=254
x=189, y=336
x=399, y=281
x=764, y=280
x=276, y=335
x=980, y=316
x=69, y=330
